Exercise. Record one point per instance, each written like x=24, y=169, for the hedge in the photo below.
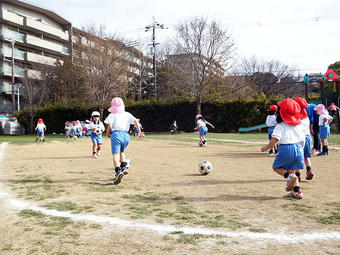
x=227, y=116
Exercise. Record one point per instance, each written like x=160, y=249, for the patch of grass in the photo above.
x=58, y=222
x=148, y=196
x=51, y=233
x=333, y=219
x=335, y=204
x=189, y=239
x=233, y=224
x=68, y=206
x=99, y=187
x=8, y=247
x=139, y=211
x=298, y=207
x=257, y=230
x=186, y=209
x=30, y=213
x=62, y=253
x=166, y=214
x=211, y=223
x=29, y=139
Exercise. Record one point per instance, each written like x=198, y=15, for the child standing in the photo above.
x=68, y=130
x=118, y=124
x=135, y=131
x=40, y=128
x=174, y=128
x=202, y=126
x=291, y=139
x=305, y=125
x=97, y=139
x=271, y=123
x=325, y=132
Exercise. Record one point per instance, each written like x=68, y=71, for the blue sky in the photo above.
x=303, y=34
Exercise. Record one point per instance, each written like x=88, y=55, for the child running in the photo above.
x=271, y=123
x=97, y=139
x=202, y=126
x=325, y=132
x=40, y=128
x=118, y=125
x=291, y=139
x=305, y=125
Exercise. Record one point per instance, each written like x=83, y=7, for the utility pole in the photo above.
x=13, y=91
x=154, y=26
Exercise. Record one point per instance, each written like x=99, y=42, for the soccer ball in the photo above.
x=97, y=131
x=205, y=167
x=201, y=144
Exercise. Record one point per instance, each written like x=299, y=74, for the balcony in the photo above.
x=35, y=41
x=6, y=70
x=33, y=74
x=46, y=29
x=7, y=52
x=10, y=34
x=32, y=57
x=6, y=88
x=12, y=17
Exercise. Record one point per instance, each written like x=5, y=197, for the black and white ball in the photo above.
x=201, y=144
x=205, y=167
x=97, y=131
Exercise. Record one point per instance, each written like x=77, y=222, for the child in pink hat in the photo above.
x=325, y=131
x=289, y=135
x=118, y=125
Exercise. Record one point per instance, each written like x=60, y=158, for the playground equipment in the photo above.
x=247, y=129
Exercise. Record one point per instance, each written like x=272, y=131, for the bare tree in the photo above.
x=34, y=93
x=271, y=77
x=205, y=51
x=105, y=63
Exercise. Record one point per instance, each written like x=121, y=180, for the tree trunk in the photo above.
x=198, y=104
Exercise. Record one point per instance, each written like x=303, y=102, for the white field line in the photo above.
x=251, y=142
x=161, y=229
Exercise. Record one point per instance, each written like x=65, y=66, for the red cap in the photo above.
x=74, y=122
x=40, y=121
x=273, y=107
x=290, y=111
x=303, y=105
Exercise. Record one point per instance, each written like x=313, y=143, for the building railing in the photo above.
x=6, y=33
x=7, y=52
x=7, y=70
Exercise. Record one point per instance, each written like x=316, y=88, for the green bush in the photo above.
x=157, y=116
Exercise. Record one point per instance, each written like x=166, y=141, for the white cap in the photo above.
x=95, y=113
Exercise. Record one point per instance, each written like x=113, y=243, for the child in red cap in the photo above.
x=305, y=125
x=40, y=128
x=289, y=135
x=271, y=123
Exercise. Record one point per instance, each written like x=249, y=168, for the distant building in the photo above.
x=40, y=37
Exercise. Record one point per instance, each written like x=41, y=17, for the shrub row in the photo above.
x=227, y=116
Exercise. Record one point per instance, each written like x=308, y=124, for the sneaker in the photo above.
x=36, y=139
x=297, y=195
x=98, y=152
x=291, y=179
x=309, y=175
x=125, y=170
x=322, y=154
x=94, y=155
x=271, y=154
x=118, y=178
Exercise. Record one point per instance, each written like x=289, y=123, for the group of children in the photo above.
x=74, y=129
x=289, y=131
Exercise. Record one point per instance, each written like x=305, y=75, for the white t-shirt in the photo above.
x=41, y=126
x=201, y=123
x=305, y=123
x=120, y=121
x=288, y=134
x=271, y=120
x=93, y=125
x=321, y=117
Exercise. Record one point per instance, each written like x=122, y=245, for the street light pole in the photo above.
x=13, y=91
x=148, y=28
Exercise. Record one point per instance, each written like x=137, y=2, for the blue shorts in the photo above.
x=270, y=131
x=203, y=130
x=119, y=141
x=308, y=146
x=40, y=132
x=325, y=131
x=289, y=157
x=97, y=138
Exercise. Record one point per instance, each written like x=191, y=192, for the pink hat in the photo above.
x=290, y=111
x=198, y=116
x=321, y=109
x=117, y=105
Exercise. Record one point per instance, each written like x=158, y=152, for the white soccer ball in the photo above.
x=201, y=144
x=97, y=131
x=205, y=167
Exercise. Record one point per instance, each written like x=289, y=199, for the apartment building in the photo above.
x=38, y=36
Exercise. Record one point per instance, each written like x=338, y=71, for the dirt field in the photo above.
x=242, y=198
